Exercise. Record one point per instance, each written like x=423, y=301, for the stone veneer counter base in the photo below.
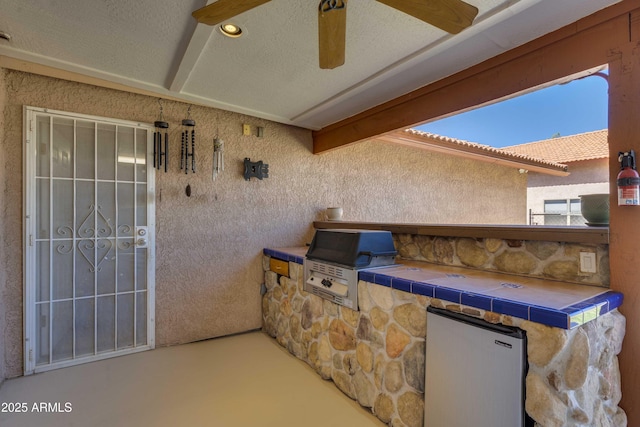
x=552, y=303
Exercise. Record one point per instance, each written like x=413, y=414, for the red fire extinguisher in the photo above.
x=628, y=180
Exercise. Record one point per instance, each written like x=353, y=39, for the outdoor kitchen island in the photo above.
x=376, y=355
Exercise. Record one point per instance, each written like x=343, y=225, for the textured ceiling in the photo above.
x=272, y=70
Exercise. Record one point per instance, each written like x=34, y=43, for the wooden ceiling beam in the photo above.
x=572, y=49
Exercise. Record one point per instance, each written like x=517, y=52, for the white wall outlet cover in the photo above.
x=588, y=262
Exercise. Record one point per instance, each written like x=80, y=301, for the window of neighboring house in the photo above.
x=563, y=212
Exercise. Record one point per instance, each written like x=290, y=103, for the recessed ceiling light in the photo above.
x=231, y=30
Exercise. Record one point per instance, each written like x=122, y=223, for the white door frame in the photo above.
x=29, y=233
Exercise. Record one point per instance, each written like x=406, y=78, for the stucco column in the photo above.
x=624, y=249
x=3, y=277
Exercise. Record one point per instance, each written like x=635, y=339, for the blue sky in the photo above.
x=576, y=107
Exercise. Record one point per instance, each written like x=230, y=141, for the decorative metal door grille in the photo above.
x=89, y=259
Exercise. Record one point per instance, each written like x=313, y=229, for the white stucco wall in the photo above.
x=209, y=246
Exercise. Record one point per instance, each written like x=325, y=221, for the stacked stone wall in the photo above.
x=376, y=355
x=574, y=378
x=549, y=260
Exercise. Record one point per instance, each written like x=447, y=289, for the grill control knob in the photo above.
x=326, y=283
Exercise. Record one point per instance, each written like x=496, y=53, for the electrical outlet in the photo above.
x=588, y=262
x=246, y=130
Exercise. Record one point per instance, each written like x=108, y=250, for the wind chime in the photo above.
x=218, y=155
x=160, y=155
x=188, y=135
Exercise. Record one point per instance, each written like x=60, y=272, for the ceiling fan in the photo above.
x=451, y=16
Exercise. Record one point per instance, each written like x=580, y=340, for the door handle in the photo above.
x=142, y=242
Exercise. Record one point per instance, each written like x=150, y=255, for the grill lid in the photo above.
x=353, y=248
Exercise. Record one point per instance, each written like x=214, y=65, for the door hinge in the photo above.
x=30, y=239
x=30, y=355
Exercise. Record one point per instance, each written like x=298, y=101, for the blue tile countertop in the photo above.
x=559, y=304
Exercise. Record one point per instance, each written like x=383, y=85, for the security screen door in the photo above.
x=89, y=239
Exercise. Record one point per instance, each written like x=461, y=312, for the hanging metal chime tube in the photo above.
x=188, y=157
x=218, y=156
x=193, y=149
x=160, y=152
x=182, y=151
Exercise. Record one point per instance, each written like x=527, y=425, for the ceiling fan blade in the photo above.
x=451, y=16
x=222, y=10
x=332, y=28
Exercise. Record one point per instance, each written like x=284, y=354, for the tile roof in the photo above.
x=454, y=146
x=567, y=149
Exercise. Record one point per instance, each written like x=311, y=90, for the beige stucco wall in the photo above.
x=586, y=177
x=582, y=172
x=209, y=246
x=3, y=190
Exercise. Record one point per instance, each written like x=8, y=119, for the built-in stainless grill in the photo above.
x=335, y=258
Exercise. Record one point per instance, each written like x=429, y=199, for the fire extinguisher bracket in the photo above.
x=625, y=182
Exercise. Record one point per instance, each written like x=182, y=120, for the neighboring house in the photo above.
x=472, y=150
x=555, y=200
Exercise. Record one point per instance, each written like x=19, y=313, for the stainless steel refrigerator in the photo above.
x=475, y=372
